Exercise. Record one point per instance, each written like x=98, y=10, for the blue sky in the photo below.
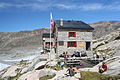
x=17, y=15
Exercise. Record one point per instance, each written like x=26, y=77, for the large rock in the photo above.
x=108, y=44
x=24, y=70
x=11, y=72
x=32, y=75
x=40, y=65
x=112, y=63
x=113, y=66
x=52, y=63
x=36, y=74
x=60, y=75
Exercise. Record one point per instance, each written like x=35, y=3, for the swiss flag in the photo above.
x=51, y=21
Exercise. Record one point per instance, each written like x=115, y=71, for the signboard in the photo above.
x=81, y=45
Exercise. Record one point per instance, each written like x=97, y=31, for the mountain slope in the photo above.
x=9, y=40
x=30, y=41
x=22, y=43
x=104, y=27
x=108, y=44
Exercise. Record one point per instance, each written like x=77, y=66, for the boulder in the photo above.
x=52, y=63
x=11, y=72
x=40, y=65
x=36, y=74
x=24, y=70
x=32, y=75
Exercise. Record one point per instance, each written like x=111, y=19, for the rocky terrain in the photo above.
x=25, y=42
x=29, y=42
x=15, y=46
x=108, y=45
x=103, y=28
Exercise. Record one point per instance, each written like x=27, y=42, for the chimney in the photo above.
x=61, y=22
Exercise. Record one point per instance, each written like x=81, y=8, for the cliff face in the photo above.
x=104, y=27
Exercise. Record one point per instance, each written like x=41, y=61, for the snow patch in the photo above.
x=3, y=66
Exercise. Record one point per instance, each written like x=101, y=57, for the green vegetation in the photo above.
x=87, y=75
x=46, y=77
x=105, y=50
x=14, y=77
x=23, y=63
x=56, y=67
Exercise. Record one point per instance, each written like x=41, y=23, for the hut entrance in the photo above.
x=88, y=46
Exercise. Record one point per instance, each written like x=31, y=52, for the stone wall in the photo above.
x=81, y=39
x=63, y=35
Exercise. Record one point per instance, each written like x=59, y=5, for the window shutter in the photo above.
x=68, y=44
x=74, y=34
x=75, y=44
x=68, y=34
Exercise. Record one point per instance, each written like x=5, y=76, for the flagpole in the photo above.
x=50, y=38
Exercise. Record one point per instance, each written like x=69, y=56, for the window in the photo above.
x=72, y=44
x=48, y=43
x=71, y=34
x=88, y=46
x=61, y=43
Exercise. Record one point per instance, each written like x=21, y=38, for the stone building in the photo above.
x=46, y=41
x=72, y=36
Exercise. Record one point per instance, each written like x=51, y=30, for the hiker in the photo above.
x=65, y=56
x=74, y=54
x=103, y=68
x=71, y=71
x=75, y=69
x=62, y=64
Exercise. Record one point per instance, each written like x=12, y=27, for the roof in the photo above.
x=47, y=35
x=73, y=24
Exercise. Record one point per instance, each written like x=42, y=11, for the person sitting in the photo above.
x=65, y=57
x=75, y=69
x=62, y=64
x=103, y=68
x=74, y=54
x=71, y=71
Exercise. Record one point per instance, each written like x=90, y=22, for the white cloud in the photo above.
x=43, y=5
x=91, y=7
x=2, y=5
x=63, y=6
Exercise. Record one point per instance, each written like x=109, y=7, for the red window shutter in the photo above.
x=74, y=34
x=68, y=34
x=75, y=44
x=68, y=44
